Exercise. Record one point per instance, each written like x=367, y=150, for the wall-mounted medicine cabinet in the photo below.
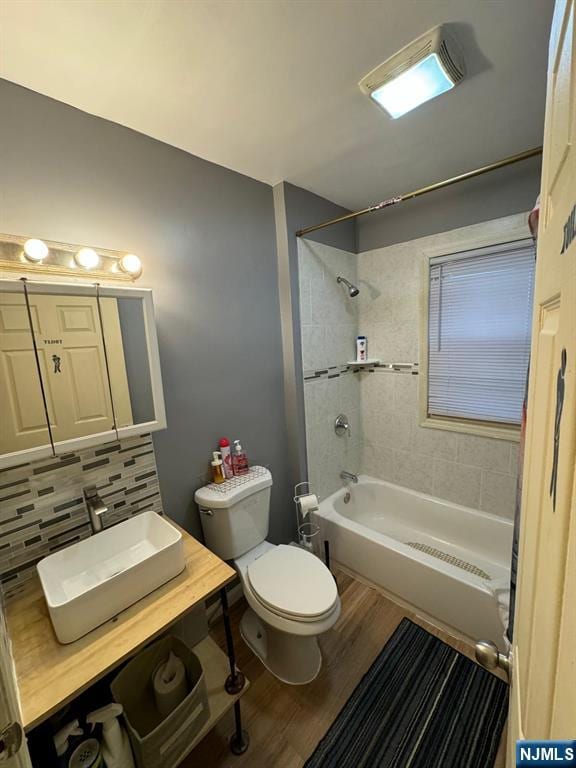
x=79, y=366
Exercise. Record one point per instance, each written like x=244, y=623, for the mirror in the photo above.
x=124, y=326
x=97, y=352
x=70, y=347
x=23, y=424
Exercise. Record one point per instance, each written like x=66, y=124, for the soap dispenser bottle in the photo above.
x=218, y=475
x=239, y=460
x=116, y=749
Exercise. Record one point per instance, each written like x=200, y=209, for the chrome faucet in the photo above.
x=348, y=476
x=95, y=506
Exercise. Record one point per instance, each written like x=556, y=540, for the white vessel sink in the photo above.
x=91, y=581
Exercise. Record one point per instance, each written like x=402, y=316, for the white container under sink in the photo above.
x=89, y=582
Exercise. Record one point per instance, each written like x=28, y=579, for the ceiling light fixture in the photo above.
x=422, y=70
x=87, y=258
x=131, y=264
x=35, y=250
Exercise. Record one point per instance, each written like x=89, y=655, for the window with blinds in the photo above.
x=480, y=313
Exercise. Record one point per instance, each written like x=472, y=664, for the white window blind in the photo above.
x=480, y=313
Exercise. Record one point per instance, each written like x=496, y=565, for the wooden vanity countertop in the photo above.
x=50, y=674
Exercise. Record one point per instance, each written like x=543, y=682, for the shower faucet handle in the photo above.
x=341, y=425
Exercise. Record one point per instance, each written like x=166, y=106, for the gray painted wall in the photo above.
x=304, y=209
x=207, y=240
x=297, y=208
x=496, y=194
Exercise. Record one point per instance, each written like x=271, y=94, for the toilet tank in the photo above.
x=235, y=514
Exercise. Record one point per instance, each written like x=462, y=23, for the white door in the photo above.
x=13, y=749
x=543, y=679
x=72, y=356
x=23, y=423
x=85, y=381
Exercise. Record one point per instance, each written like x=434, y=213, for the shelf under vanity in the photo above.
x=50, y=675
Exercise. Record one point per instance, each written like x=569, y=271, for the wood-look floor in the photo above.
x=285, y=722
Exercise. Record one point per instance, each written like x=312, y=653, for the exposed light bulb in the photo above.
x=131, y=264
x=87, y=258
x=35, y=250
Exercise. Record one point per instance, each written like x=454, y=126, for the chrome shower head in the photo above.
x=352, y=289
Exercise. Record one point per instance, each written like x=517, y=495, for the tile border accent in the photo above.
x=334, y=371
x=331, y=372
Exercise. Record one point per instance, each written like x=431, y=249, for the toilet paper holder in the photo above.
x=305, y=502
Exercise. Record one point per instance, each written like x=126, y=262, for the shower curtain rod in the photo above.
x=423, y=190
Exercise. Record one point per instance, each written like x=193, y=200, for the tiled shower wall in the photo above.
x=386, y=439
x=326, y=397
x=477, y=472
x=474, y=471
x=329, y=319
x=42, y=508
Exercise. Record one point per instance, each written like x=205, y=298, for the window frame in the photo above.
x=491, y=429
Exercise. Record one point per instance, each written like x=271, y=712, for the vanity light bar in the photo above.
x=23, y=255
x=87, y=258
x=131, y=264
x=35, y=250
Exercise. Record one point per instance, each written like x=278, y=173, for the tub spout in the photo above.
x=348, y=476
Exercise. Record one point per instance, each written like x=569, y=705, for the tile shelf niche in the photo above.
x=380, y=366
x=363, y=363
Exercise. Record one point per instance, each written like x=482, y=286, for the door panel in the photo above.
x=25, y=398
x=543, y=700
x=9, y=708
x=23, y=423
x=44, y=362
x=79, y=319
x=561, y=111
x=86, y=382
x=14, y=316
x=565, y=701
x=73, y=365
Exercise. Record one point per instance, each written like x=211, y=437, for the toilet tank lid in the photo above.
x=231, y=491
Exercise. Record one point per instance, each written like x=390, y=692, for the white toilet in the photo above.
x=291, y=594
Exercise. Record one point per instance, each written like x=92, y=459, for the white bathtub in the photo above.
x=444, y=559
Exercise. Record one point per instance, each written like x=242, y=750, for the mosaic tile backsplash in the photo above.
x=42, y=507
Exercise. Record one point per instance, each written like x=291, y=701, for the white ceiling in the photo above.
x=269, y=87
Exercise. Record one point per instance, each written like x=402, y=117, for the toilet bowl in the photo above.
x=292, y=599
x=292, y=596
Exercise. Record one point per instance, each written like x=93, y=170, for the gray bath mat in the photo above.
x=420, y=704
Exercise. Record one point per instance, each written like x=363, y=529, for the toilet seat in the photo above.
x=293, y=584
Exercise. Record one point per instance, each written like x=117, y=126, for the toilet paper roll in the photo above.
x=172, y=688
x=308, y=504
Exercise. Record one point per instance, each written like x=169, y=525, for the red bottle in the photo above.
x=224, y=445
